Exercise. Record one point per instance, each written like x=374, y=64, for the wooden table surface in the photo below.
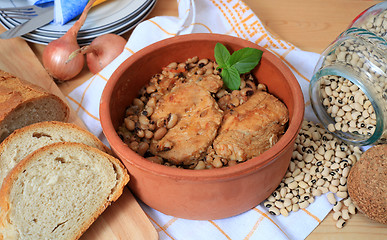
x=310, y=25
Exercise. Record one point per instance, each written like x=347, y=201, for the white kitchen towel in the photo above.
x=232, y=17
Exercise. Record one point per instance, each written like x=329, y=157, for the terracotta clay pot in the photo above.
x=200, y=194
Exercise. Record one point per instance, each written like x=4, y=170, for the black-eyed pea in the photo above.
x=217, y=163
x=289, y=195
x=279, y=204
x=340, y=223
x=283, y=192
x=295, y=207
x=151, y=125
x=151, y=102
x=331, y=198
x=268, y=204
x=262, y=87
x=303, y=204
x=305, y=197
x=336, y=215
x=138, y=103
x=171, y=120
x=342, y=194
x=301, y=191
x=287, y=202
x=284, y=212
x=155, y=159
x=325, y=171
x=308, y=158
x=343, y=188
x=160, y=133
x=338, y=206
x=129, y=124
x=311, y=200
x=148, y=134
x=289, y=208
x=352, y=209
x=276, y=195
x=274, y=211
x=142, y=148
x=288, y=180
x=335, y=182
x=140, y=133
x=271, y=198
x=246, y=92
x=251, y=85
x=134, y=146
x=345, y=214
x=343, y=181
x=333, y=189
x=320, y=182
x=143, y=120
x=316, y=192
x=299, y=177
x=200, y=165
x=303, y=184
x=148, y=111
x=293, y=185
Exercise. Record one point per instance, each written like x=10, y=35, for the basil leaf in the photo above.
x=231, y=78
x=245, y=59
x=222, y=55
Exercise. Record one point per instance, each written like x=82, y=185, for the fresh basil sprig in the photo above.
x=235, y=64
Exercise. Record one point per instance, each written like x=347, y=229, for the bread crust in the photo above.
x=53, y=124
x=16, y=93
x=21, y=166
x=367, y=185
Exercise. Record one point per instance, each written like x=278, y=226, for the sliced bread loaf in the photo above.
x=58, y=191
x=27, y=139
x=22, y=103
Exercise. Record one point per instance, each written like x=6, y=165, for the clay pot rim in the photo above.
x=242, y=169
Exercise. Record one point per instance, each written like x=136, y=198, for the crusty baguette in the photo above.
x=25, y=140
x=23, y=103
x=58, y=191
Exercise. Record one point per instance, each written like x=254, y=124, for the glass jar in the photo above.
x=348, y=90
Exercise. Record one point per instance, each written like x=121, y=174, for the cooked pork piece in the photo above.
x=198, y=119
x=251, y=128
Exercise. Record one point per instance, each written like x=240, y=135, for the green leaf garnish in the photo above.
x=245, y=59
x=229, y=75
x=233, y=65
x=222, y=55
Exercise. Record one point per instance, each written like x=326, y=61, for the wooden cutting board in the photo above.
x=124, y=219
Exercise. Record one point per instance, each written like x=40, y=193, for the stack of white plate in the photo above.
x=113, y=16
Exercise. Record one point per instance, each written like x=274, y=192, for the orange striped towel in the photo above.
x=235, y=18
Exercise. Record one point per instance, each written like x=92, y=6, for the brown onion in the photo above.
x=103, y=50
x=56, y=54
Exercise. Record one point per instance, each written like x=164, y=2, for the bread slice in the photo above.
x=23, y=103
x=58, y=191
x=28, y=139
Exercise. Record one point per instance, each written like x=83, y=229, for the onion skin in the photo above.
x=103, y=50
x=56, y=55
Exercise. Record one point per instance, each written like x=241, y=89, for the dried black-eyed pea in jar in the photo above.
x=348, y=90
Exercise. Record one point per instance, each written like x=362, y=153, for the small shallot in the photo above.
x=103, y=50
x=56, y=54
